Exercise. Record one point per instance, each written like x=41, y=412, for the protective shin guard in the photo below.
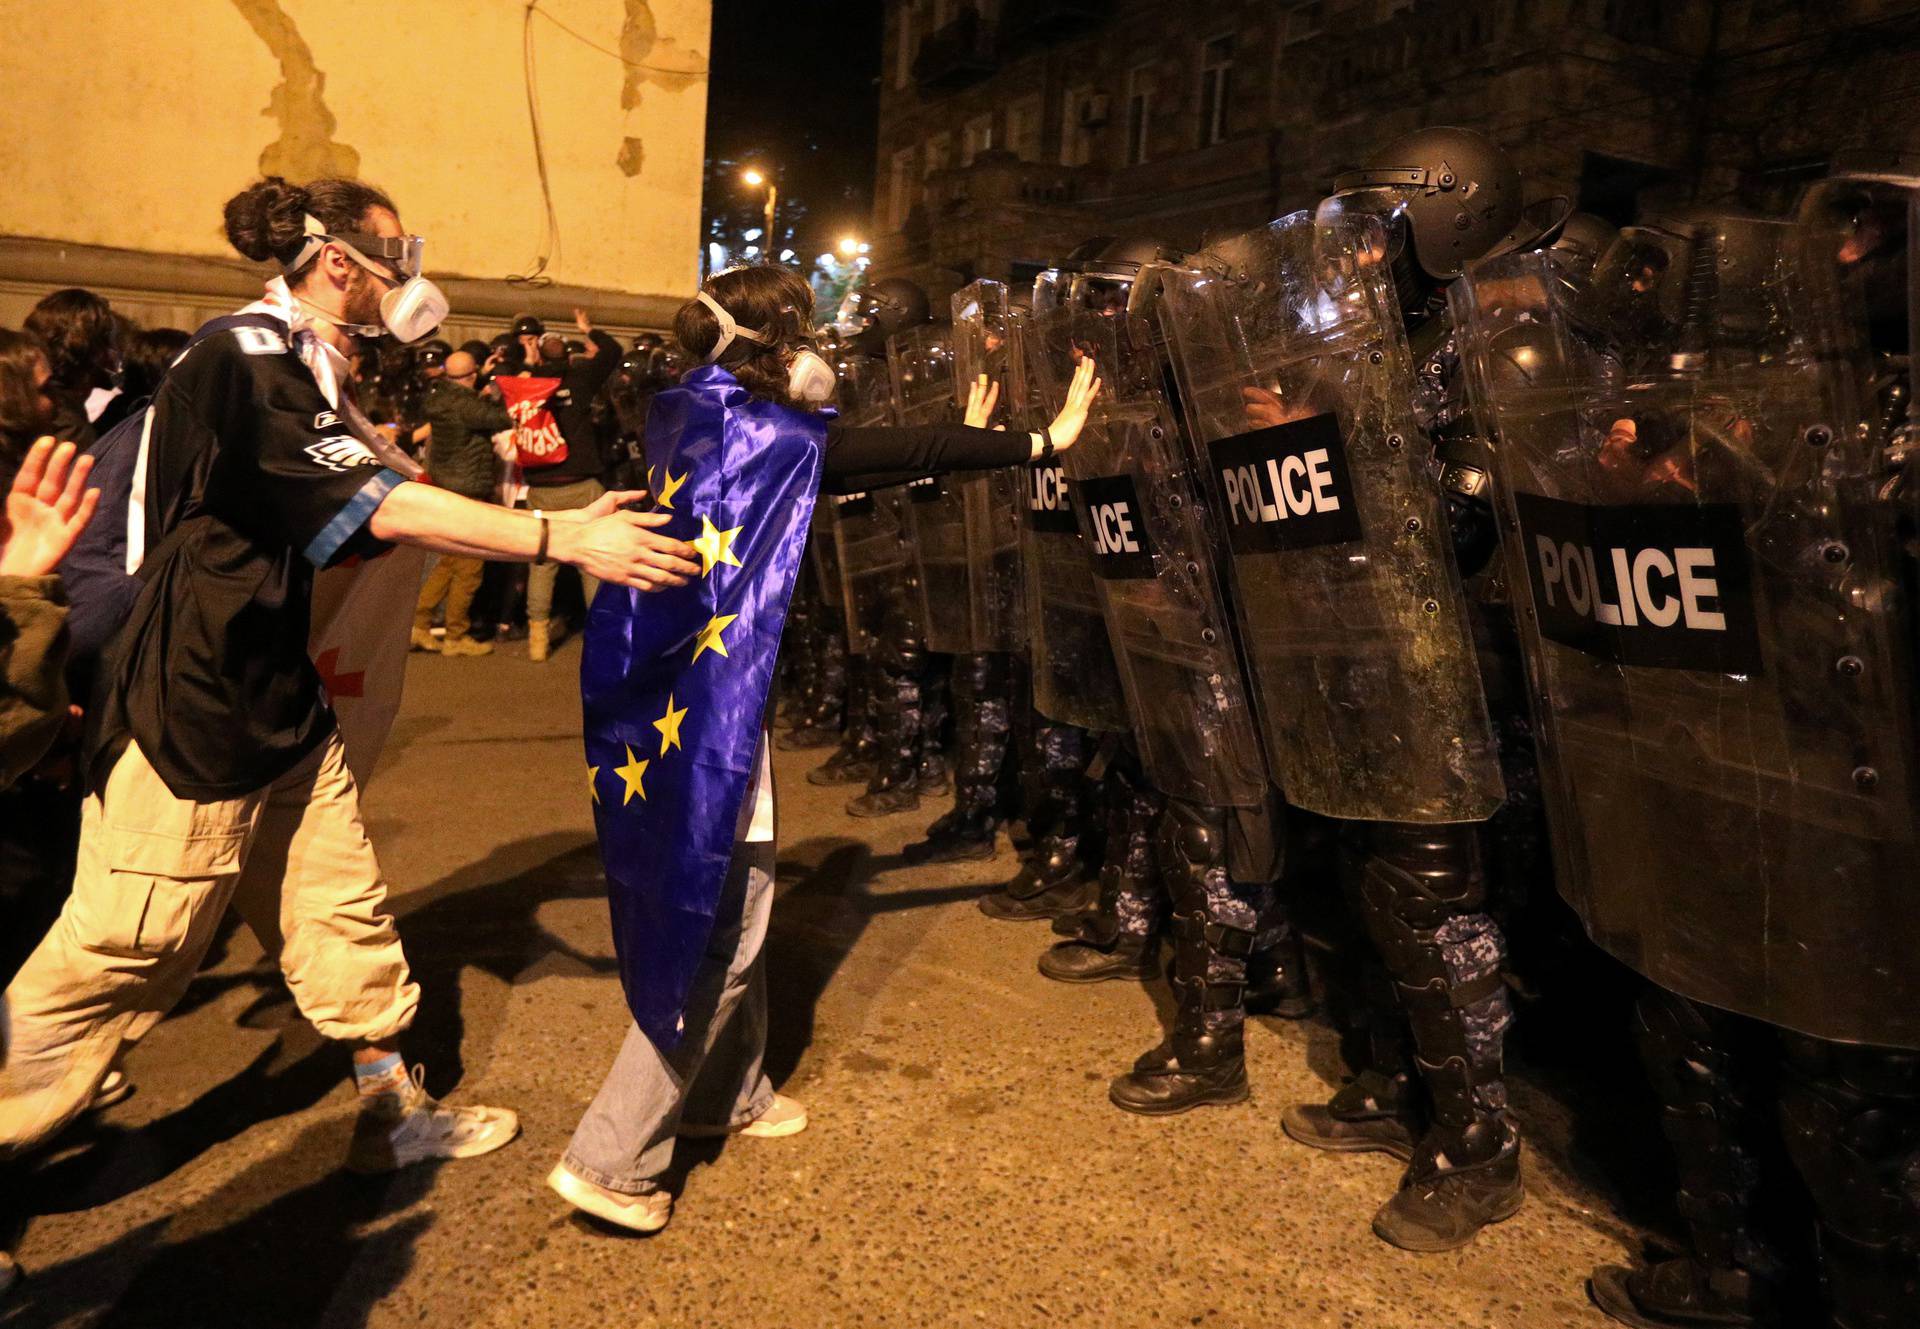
x=897, y=716
x=1119, y=936
x=981, y=724
x=1202, y=1061
x=853, y=762
x=1851, y=1118
x=1422, y=893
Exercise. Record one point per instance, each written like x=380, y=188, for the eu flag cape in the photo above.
x=674, y=683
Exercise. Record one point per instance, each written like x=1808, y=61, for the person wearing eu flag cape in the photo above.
x=676, y=694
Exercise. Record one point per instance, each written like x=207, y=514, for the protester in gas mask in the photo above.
x=687, y=828
x=217, y=771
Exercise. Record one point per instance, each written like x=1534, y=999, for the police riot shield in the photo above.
x=921, y=360
x=981, y=313
x=869, y=528
x=1718, y=632
x=1070, y=659
x=1142, y=516
x=1297, y=387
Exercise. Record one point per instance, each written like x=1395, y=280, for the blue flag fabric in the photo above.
x=674, y=683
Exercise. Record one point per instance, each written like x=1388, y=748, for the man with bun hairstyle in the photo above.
x=216, y=771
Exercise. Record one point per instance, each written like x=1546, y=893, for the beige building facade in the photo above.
x=130, y=123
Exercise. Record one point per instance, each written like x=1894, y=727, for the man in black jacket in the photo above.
x=576, y=481
x=464, y=422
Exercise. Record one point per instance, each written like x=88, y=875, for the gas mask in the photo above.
x=410, y=310
x=810, y=378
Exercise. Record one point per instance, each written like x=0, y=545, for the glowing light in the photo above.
x=754, y=178
x=851, y=246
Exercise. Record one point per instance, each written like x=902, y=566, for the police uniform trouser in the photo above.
x=156, y=872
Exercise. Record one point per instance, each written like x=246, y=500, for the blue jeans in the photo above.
x=713, y=1077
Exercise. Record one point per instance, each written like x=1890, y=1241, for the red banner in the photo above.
x=536, y=434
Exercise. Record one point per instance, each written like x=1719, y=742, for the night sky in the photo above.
x=797, y=85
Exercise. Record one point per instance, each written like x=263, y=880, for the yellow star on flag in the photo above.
x=669, y=725
x=633, y=772
x=593, y=782
x=715, y=545
x=671, y=487
x=710, y=638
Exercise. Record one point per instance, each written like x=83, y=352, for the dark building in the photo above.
x=1012, y=129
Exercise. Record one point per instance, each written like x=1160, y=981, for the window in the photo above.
x=1139, y=112
x=1303, y=21
x=903, y=47
x=900, y=189
x=1023, y=129
x=976, y=138
x=939, y=154
x=1076, y=135
x=1216, y=87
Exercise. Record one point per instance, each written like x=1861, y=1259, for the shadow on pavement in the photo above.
x=291, y=1242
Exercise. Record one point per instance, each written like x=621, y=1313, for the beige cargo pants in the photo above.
x=155, y=875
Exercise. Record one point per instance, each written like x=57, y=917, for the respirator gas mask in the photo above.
x=810, y=378
x=409, y=310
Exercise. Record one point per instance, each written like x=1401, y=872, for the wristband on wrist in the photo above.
x=540, y=554
x=1046, y=443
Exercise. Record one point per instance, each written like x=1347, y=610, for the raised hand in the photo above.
x=582, y=322
x=47, y=509
x=1265, y=408
x=1066, y=426
x=982, y=398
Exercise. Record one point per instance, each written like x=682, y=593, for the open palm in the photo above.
x=47, y=508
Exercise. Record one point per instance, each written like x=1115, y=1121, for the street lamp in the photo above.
x=753, y=179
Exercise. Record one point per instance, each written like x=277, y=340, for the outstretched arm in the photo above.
x=616, y=546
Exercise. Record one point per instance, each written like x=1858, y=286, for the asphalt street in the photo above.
x=963, y=1166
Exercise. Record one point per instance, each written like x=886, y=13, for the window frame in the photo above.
x=1135, y=150
x=1214, y=128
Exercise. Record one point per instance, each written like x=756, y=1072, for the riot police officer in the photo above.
x=1299, y=381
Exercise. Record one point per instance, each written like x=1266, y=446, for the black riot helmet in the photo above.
x=1451, y=195
x=1868, y=201
x=1581, y=242
x=1104, y=268
x=433, y=354
x=885, y=307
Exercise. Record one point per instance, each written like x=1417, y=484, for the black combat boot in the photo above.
x=1681, y=1293
x=957, y=837
x=853, y=763
x=1089, y=959
x=1052, y=880
x=1277, y=978
x=1371, y=1113
x=894, y=788
x=1191, y=1069
x=1465, y=1174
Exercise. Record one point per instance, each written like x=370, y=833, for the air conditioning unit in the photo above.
x=1093, y=111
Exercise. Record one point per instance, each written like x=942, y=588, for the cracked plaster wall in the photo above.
x=186, y=102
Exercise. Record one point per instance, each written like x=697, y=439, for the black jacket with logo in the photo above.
x=253, y=481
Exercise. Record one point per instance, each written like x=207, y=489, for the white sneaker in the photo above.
x=784, y=1116
x=410, y=1127
x=637, y=1213
x=115, y=1088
